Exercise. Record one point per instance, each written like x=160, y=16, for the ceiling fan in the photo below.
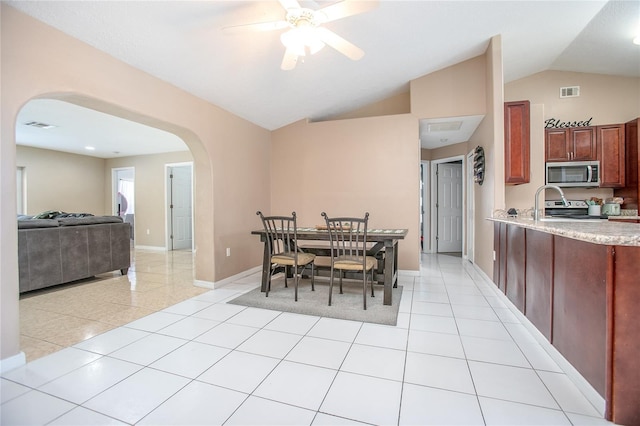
x=306, y=33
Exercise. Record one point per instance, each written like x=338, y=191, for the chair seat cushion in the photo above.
x=287, y=258
x=354, y=263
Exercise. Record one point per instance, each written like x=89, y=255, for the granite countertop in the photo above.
x=602, y=232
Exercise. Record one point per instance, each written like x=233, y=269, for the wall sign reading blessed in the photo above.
x=553, y=123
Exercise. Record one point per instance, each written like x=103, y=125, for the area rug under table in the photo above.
x=346, y=306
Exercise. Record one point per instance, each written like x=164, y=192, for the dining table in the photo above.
x=384, y=246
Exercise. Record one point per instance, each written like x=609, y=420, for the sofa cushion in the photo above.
x=38, y=223
x=90, y=220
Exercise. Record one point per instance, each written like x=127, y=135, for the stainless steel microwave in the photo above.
x=574, y=174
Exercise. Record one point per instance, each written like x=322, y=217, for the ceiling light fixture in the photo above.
x=306, y=33
x=303, y=35
x=90, y=148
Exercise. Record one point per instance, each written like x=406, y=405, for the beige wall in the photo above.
x=150, y=190
x=425, y=154
x=489, y=135
x=450, y=151
x=229, y=153
x=348, y=167
x=452, y=92
x=397, y=104
x=61, y=181
x=608, y=99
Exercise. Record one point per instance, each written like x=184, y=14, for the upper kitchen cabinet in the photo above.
x=611, y=154
x=631, y=190
x=516, y=142
x=571, y=144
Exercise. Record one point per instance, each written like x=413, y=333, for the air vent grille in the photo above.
x=570, y=92
x=39, y=125
x=445, y=126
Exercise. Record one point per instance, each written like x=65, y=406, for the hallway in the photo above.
x=459, y=355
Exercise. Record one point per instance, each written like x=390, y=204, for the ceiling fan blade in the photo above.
x=289, y=60
x=347, y=8
x=348, y=49
x=290, y=4
x=258, y=26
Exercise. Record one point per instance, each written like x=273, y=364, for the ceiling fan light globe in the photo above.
x=292, y=41
x=316, y=46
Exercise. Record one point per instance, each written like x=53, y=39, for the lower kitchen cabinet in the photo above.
x=500, y=250
x=580, y=307
x=515, y=266
x=623, y=323
x=584, y=298
x=539, y=276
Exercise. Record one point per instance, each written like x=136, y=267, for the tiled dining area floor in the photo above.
x=170, y=353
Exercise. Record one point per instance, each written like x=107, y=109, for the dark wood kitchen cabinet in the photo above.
x=539, y=280
x=516, y=142
x=580, y=307
x=515, y=264
x=611, y=154
x=571, y=144
x=631, y=190
x=500, y=252
x=584, y=297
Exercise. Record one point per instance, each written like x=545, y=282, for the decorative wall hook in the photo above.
x=478, y=165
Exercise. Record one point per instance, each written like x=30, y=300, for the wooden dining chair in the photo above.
x=348, y=242
x=284, y=253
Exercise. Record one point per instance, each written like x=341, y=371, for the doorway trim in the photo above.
x=469, y=243
x=425, y=214
x=434, y=190
x=114, y=194
x=167, y=210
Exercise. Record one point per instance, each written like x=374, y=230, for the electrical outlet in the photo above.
x=494, y=255
x=148, y=232
x=228, y=251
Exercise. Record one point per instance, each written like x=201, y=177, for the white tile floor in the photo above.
x=458, y=355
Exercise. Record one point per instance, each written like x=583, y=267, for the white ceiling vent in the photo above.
x=445, y=126
x=39, y=125
x=570, y=92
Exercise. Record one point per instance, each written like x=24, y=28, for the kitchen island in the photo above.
x=578, y=283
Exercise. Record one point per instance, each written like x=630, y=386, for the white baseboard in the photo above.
x=204, y=284
x=408, y=272
x=232, y=278
x=12, y=362
x=152, y=248
x=581, y=383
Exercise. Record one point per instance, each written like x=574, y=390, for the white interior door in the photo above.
x=179, y=195
x=449, y=207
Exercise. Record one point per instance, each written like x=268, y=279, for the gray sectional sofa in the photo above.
x=61, y=250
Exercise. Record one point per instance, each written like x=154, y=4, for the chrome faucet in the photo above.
x=536, y=212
